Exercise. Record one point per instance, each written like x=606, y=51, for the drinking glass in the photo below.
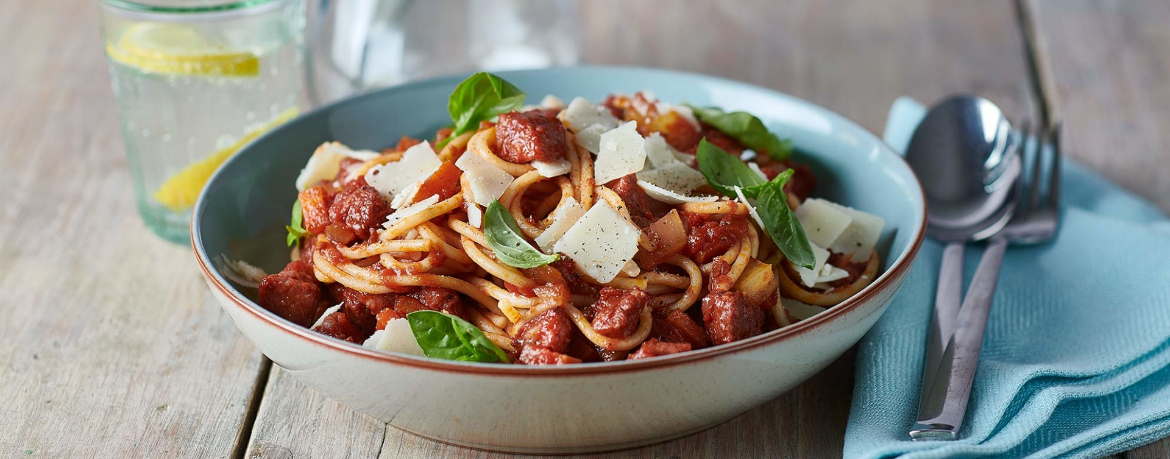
x=194, y=81
x=356, y=45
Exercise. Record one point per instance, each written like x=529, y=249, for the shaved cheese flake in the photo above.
x=600, y=243
x=474, y=216
x=623, y=152
x=822, y=222
x=756, y=168
x=684, y=157
x=241, y=272
x=659, y=152
x=751, y=209
x=415, y=208
x=862, y=234
x=397, y=337
x=670, y=197
x=831, y=273
x=799, y=310
x=676, y=177
x=581, y=114
x=590, y=138
x=321, y=320
x=809, y=277
x=406, y=196
x=487, y=181
x=417, y=163
x=325, y=164
x=552, y=168
x=563, y=218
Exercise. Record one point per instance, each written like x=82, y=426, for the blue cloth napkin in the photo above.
x=1076, y=357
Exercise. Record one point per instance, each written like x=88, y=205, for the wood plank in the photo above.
x=110, y=344
x=1109, y=86
x=295, y=421
x=853, y=56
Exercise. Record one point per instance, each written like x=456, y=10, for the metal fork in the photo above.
x=1036, y=221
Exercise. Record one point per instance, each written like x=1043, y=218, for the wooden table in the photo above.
x=112, y=346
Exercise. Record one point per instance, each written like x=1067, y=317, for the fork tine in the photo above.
x=1033, y=196
x=1054, y=179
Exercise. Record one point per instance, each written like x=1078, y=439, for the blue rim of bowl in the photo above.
x=898, y=269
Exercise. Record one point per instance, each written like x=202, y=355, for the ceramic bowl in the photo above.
x=563, y=409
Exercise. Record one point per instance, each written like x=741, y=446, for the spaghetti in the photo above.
x=700, y=272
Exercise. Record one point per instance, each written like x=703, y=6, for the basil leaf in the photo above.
x=296, y=229
x=747, y=129
x=781, y=224
x=444, y=336
x=481, y=97
x=503, y=236
x=725, y=172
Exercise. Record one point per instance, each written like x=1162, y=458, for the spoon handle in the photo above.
x=965, y=344
x=947, y=299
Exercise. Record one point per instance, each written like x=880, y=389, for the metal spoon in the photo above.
x=964, y=154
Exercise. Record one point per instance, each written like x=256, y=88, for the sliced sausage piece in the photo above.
x=362, y=309
x=676, y=326
x=338, y=326
x=360, y=209
x=551, y=329
x=710, y=235
x=616, y=312
x=643, y=210
x=573, y=278
x=432, y=299
x=536, y=355
x=729, y=317
x=534, y=135
x=655, y=348
x=293, y=294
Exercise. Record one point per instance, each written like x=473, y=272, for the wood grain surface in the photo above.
x=1111, y=87
x=111, y=346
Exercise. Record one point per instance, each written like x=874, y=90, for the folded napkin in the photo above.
x=1076, y=357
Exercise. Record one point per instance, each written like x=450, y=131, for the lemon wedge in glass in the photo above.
x=179, y=192
x=174, y=49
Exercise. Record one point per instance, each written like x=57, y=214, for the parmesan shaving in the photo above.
x=397, y=337
x=552, y=168
x=600, y=243
x=321, y=320
x=487, y=181
x=822, y=222
x=325, y=163
x=670, y=197
x=809, y=277
x=563, y=218
x=415, y=208
x=416, y=165
x=623, y=152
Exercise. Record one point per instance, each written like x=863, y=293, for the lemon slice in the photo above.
x=179, y=192
x=173, y=49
